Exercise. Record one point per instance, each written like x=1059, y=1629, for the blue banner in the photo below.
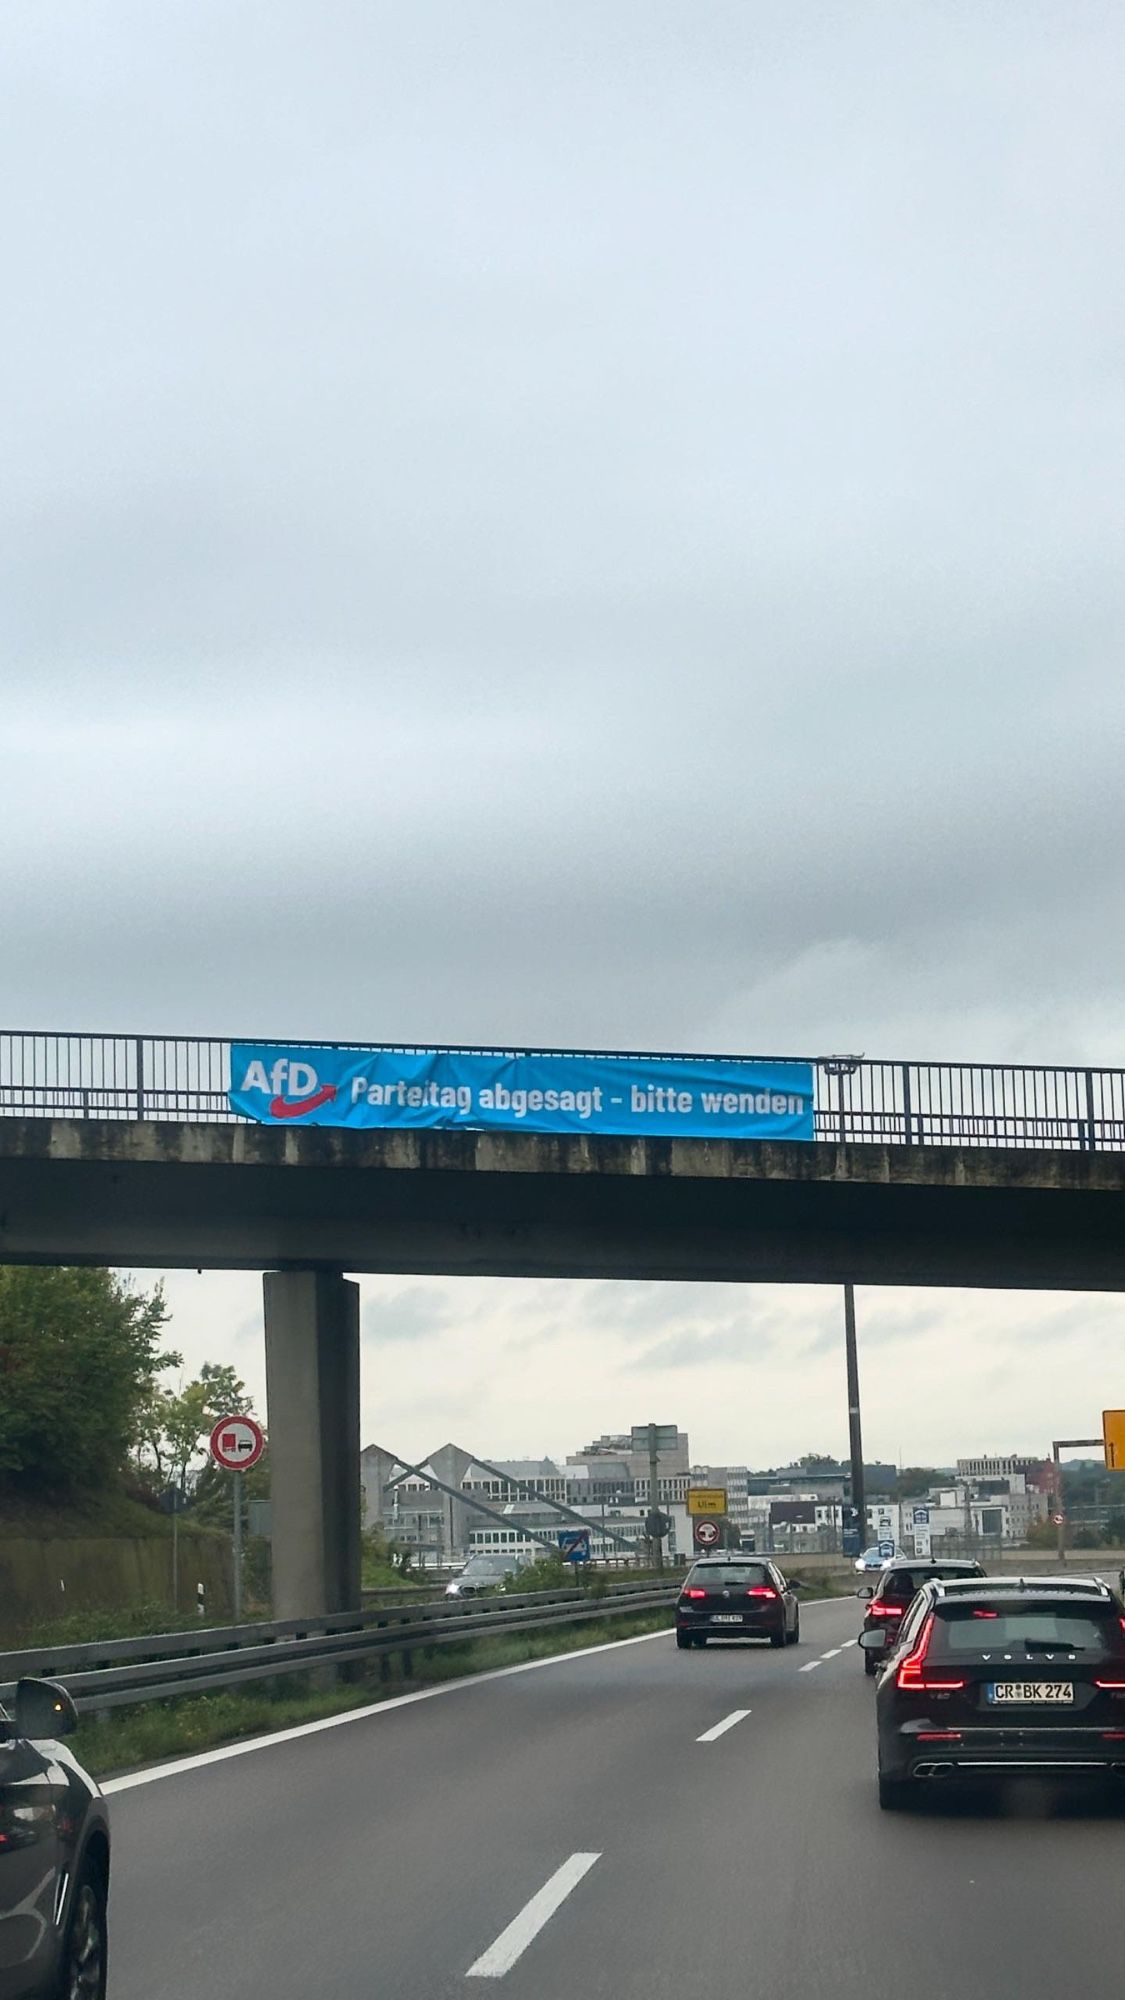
x=630, y=1096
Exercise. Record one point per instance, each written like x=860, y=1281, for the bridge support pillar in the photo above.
x=312, y=1399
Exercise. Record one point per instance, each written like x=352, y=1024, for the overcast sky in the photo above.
x=590, y=524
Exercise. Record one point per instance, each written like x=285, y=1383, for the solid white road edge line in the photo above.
x=243, y=1749
x=513, y=1942
x=720, y=1728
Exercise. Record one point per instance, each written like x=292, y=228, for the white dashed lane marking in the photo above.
x=720, y=1728
x=523, y=1929
x=808, y=1666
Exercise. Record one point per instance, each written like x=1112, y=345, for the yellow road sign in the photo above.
x=1113, y=1439
x=713, y=1499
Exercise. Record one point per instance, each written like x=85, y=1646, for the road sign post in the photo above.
x=236, y=1482
x=656, y=1437
x=855, y=1437
x=237, y=1443
x=1066, y=1444
x=172, y=1502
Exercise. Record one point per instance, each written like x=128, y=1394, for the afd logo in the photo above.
x=293, y=1088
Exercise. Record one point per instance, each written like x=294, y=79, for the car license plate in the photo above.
x=728, y=1618
x=1056, y=1692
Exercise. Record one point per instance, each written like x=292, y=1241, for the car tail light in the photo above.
x=695, y=1593
x=986, y=1614
x=761, y=1590
x=1113, y=1735
x=938, y=1736
x=1111, y=1687
x=885, y=1610
x=911, y=1673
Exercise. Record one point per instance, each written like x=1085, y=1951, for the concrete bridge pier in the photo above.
x=312, y=1402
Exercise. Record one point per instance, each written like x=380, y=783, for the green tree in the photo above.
x=1042, y=1535
x=224, y=1394
x=173, y=1426
x=916, y=1479
x=79, y=1355
x=170, y=1430
x=816, y=1461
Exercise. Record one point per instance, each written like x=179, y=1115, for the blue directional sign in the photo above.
x=574, y=1544
x=886, y=1551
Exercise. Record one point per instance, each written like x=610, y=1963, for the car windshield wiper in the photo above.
x=1053, y=1646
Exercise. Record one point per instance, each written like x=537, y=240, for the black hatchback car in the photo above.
x=888, y=1599
x=733, y=1597
x=1003, y=1677
x=54, y=1855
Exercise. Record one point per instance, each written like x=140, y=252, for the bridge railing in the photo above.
x=857, y=1100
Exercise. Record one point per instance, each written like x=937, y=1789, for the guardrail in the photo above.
x=175, y=1077
x=120, y=1672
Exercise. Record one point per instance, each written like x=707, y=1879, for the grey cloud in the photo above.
x=421, y=1312
x=633, y=1310
x=594, y=527
x=697, y=1347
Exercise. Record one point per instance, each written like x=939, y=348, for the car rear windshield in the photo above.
x=899, y=1585
x=729, y=1576
x=1026, y=1629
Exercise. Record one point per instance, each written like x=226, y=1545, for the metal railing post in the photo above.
x=907, y=1108
x=840, y=1067
x=140, y=1048
x=1091, y=1138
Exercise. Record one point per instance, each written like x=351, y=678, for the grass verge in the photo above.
x=128, y=1738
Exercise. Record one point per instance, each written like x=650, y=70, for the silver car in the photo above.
x=482, y=1574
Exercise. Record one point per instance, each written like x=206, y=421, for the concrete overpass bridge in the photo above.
x=125, y=1151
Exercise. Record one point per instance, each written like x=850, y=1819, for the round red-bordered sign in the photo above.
x=237, y=1443
x=706, y=1534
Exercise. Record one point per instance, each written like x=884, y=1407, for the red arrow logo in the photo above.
x=283, y=1107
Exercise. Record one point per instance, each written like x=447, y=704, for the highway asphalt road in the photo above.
x=415, y=1853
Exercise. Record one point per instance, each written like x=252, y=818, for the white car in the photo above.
x=872, y=1559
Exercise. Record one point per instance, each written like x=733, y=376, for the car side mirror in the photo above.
x=865, y=1592
x=43, y=1710
x=872, y=1642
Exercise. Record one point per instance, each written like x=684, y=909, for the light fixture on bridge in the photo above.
x=839, y=1065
